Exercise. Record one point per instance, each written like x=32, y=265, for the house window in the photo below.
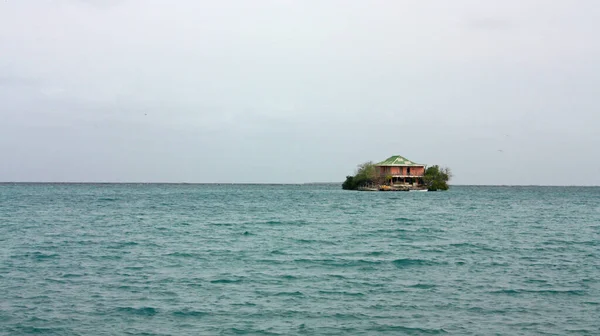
x=408, y=171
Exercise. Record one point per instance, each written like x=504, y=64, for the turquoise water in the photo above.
x=313, y=260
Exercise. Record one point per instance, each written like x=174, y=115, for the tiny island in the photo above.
x=398, y=174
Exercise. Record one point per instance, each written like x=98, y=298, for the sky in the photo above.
x=294, y=91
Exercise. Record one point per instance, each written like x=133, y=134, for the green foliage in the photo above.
x=349, y=184
x=366, y=173
x=437, y=178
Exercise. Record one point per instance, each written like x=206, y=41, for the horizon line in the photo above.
x=287, y=183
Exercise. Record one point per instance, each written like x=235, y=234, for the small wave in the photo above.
x=506, y=291
x=194, y=284
x=462, y=245
x=542, y=292
x=589, y=242
x=120, y=245
x=182, y=255
x=248, y=304
x=222, y=224
x=477, y=309
x=582, y=331
x=108, y=257
x=394, y=230
x=423, y=286
x=430, y=230
x=56, y=280
x=340, y=263
x=296, y=293
x=288, y=277
x=143, y=333
x=271, y=261
x=72, y=275
x=237, y=331
x=404, y=219
x=342, y=293
x=568, y=242
x=38, y=255
x=296, y=222
x=144, y=311
x=189, y=313
x=410, y=330
x=315, y=241
x=226, y=281
x=107, y=199
x=336, y=276
x=30, y=330
x=167, y=293
x=129, y=288
x=403, y=263
x=536, y=281
x=37, y=298
x=576, y=292
x=349, y=316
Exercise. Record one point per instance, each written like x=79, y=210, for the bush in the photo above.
x=437, y=178
x=366, y=174
x=349, y=184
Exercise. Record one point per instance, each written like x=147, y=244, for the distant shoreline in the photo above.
x=274, y=184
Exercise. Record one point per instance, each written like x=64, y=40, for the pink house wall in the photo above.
x=414, y=171
x=419, y=171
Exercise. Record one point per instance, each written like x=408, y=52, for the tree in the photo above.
x=437, y=178
x=349, y=184
x=366, y=173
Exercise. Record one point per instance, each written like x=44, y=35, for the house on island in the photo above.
x=402, y=171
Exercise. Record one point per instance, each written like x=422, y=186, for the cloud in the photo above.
x=12, y=81
x=490, y=24
x=102, y=4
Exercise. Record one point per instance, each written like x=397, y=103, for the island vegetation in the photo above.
x=437, y=178
x=367, y=176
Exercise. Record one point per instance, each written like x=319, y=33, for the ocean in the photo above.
x=152, y=259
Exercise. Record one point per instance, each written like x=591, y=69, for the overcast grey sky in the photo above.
x=502, y=92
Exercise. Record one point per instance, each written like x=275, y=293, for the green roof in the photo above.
x=398, y=160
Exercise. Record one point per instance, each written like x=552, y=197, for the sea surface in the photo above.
x=144, y=259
